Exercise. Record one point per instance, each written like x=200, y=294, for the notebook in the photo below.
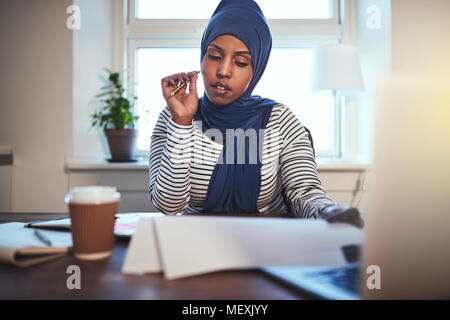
x=20, y=246
x=124, y=227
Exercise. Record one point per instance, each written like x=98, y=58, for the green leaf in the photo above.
x=116, y=111
x=101, y=94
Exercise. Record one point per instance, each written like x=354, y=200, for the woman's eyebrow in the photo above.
x=243, y=52
x=236, y=52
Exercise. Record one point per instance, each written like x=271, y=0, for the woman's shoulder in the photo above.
x=282, y=113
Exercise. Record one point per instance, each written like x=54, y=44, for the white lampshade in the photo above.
x=335, y=67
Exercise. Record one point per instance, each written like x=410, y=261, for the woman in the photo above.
x=230, y=151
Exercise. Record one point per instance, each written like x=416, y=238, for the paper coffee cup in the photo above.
x=92, y=211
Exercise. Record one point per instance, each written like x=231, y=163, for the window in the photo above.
x=312, y=111
x=163, y=38
x=281, y=9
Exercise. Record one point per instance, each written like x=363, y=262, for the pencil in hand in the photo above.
x=181, y=86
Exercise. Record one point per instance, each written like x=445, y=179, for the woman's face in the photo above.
x=226, y=69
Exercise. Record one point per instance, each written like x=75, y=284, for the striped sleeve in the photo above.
x=170, y=159
x=298, y=168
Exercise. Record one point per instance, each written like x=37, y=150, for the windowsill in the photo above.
x=6, y=156
x=96, y=164
x=341, y=165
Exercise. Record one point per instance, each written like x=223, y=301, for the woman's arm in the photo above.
x=170, y=159
x=299, y=175
x=171, y=145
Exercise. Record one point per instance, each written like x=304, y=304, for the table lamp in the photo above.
x=335, y=69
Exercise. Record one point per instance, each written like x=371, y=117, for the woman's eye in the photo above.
x=241, y=64
x=213, y=57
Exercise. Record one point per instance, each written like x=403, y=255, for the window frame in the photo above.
x=194, y=27
x=133, y=33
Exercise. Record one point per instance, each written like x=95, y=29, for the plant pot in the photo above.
x=121, y=144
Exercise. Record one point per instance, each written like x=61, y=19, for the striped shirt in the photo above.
x=182, y=160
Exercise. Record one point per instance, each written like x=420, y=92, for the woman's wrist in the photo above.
x=182, y=121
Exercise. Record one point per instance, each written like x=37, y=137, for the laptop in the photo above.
x=406, y=254
x=324, y=282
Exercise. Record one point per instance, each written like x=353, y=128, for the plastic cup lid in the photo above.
x=92, y=195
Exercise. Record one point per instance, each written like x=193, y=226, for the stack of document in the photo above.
x=182, y=246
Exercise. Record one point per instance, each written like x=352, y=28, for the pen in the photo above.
x=181, y=86
x=43, y=238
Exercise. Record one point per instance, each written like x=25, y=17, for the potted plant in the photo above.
x=117, y=119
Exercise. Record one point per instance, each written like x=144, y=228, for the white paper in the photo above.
x=142, y=255
x=193, y=245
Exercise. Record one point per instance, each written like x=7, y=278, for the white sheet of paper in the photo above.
x=192, y=245
x=142, y=255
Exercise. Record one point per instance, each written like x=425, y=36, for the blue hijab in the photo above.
x=234, y=188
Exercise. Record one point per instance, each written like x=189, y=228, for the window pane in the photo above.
x=153, y=64
x=203, y=9
x=295, y=9
x=285, y=80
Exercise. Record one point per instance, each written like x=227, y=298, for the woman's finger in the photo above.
x=179, y=82
x=193, y=84
x=174, y=78
x=168, y=82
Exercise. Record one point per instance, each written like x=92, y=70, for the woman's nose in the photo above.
x=224, y=69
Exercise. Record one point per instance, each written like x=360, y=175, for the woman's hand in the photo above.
x=182, y=105
x=347, y=215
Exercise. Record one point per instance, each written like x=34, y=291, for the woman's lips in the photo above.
x=221, y=88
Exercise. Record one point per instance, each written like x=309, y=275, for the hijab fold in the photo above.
x=234, y=187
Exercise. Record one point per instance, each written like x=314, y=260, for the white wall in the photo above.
x=36, y=105
x=5, y=188
x=412, y=38
x=420, y=36
x=49, y=78
x=92, y=51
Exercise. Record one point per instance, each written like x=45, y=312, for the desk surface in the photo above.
x=104, y=280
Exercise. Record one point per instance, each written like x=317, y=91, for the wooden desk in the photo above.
x=104, y=280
